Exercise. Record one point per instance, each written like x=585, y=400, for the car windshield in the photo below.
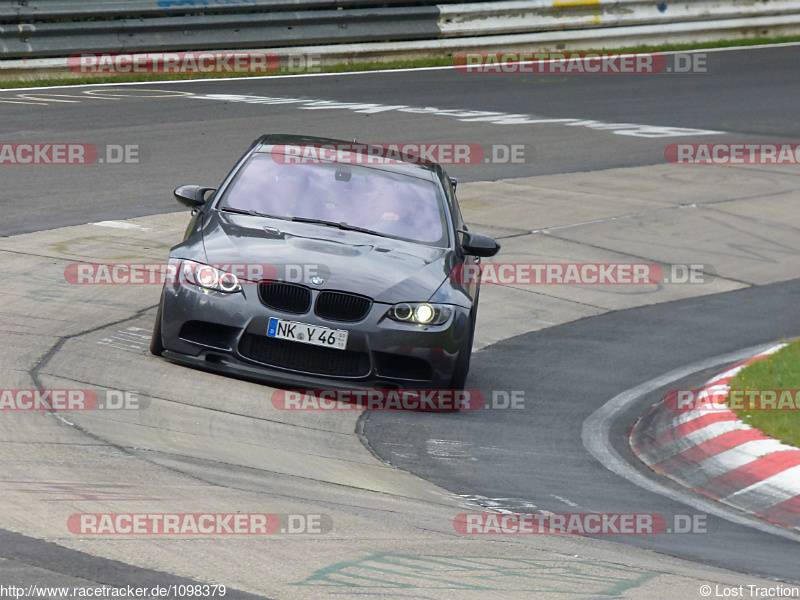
x=390, y=204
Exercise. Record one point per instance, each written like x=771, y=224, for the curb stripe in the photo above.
x=751, y=473
x=659, y=453
x=706, y=420
x=700, y=474
x=683, y=429
x=665, y=422
x=709, y=448
x=786, y=513
x=767, y=492
x=713, y=452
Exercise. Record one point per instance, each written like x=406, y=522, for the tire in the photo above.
x=156, y=342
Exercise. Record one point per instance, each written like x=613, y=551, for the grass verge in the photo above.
x=779, y=371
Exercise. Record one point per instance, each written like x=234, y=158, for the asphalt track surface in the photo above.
x=526, y=458
x=521, y=459
x=752, y=94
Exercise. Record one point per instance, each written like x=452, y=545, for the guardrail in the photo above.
x=226, y=29
x=90, y=9
x=527, y=16
x=343, y=30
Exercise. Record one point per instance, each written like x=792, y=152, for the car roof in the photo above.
x=422, y=169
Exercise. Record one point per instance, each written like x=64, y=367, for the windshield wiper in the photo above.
x=252, y=213
x=340, y=225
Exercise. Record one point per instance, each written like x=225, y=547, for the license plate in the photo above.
x=307, y=334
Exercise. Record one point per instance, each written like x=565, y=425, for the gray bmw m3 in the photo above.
x=334, y=271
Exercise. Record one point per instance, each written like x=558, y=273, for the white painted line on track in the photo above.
x=119, y=225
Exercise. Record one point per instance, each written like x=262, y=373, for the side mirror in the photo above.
x=193, y=196
x=477, y=244
x=453, y=182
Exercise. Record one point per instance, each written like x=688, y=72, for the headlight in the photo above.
x=209, y=277
x=420, y=313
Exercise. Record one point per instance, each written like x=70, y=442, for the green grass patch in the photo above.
x=779, y=371
x=440, y=61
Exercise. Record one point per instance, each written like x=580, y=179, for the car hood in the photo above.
x=385, y=269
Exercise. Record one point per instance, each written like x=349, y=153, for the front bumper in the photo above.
x=227, y=333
